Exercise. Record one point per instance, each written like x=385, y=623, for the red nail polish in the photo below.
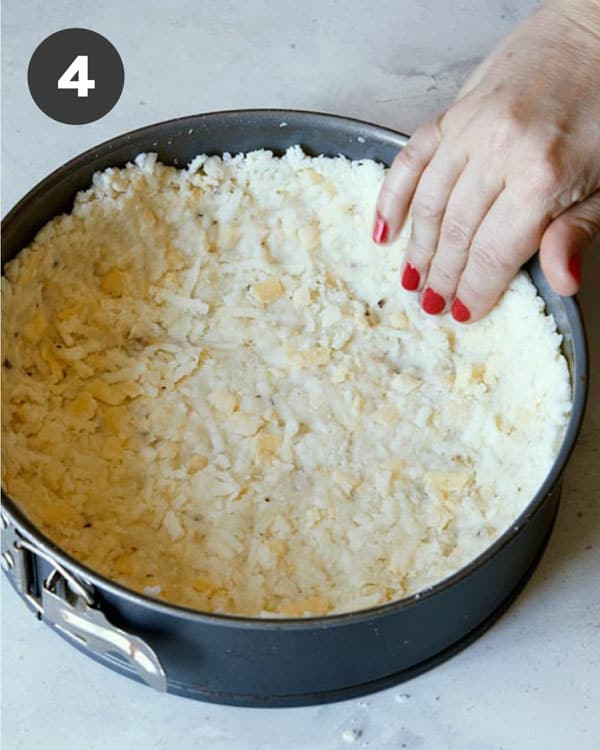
x=380, y=230
x=432, y=302
x=410, y=278
x=460, y=312
x=575, y=267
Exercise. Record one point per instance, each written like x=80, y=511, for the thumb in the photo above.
x=563, y=242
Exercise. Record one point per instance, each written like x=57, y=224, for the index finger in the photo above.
x=401, y=181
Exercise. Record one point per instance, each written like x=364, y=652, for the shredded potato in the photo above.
x=216, y=393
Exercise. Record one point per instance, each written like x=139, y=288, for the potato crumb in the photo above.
x=196, y=463
x=312, y=357
x=268, y=291
x=114, y=282
x=267, y=446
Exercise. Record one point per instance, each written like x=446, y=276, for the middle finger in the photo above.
x=428, y=207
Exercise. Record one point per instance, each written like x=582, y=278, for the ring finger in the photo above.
x=471, y=199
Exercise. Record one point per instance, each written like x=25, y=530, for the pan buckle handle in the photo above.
x=83, y=623
x=69, y=605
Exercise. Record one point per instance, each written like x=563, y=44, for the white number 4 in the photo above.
x=76, y=77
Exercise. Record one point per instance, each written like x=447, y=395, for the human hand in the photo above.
x=512, y=165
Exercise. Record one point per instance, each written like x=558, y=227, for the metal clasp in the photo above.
x=17, y=564
x=82, y=622
x=69, y=605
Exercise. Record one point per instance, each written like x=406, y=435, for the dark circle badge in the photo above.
x=75, y=76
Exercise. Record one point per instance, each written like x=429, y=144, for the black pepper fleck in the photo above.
x=7, y=363
x=87, y=525
x=381, y=303
x=267, y=499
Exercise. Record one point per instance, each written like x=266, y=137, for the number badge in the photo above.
x=76, y=76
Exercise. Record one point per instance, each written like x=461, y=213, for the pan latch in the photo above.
x=69, y=605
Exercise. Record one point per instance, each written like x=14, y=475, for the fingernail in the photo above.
x=380, y=230
x=460, y=312
x=575, y=267
x=410, y=278
x=432, y=302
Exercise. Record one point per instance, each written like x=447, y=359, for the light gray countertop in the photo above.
x=532, y=681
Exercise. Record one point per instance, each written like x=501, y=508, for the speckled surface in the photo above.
x=532, y=681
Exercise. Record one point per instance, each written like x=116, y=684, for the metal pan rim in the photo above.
x=580, y=380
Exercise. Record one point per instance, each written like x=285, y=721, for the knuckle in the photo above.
x=455, y=234
x=432, y=130
x=489, y=261
x=418, y=150
x=479, y=300
x=408, y=158
x=452, y=119
x=508, y=130
x=427, y=208
x=587, y=226
x=419, y=255
x=469, y=293
x=389, y=192
x=444, y=276
x=545, y=175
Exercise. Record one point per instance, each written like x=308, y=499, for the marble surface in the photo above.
x=533, y=681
